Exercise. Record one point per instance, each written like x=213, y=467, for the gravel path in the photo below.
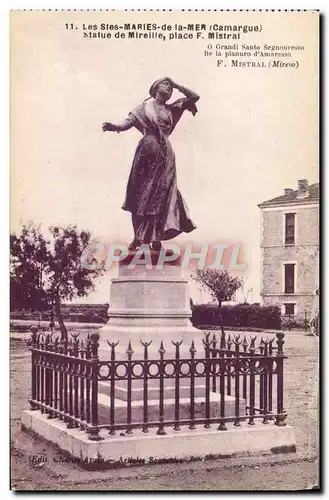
x=284, y=472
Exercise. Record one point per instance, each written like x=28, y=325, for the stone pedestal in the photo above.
x=149, y=304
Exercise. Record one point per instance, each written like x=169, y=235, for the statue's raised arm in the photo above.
x=184, y=90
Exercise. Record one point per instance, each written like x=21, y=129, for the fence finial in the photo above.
x=146, y=344
x=252, y=343
x=56, y=343
x=74, y=334
x=177, y=343
x=129, y=350
x=236, y=340
x=94, y=345
x=162, y=350
x=34, y=336
x=192, y=349
x=206, y=341
x=280, y=342
x=113, y=344
x=222, y=344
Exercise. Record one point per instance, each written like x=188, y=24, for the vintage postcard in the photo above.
x=164, y=275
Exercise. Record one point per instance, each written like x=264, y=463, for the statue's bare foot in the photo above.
x=135, y=244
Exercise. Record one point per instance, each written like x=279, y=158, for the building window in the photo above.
x=289, y=229
x=289, y=309
x=289, y=278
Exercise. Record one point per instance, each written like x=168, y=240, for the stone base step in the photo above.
x=141, y=448
x=137, y=408
x=153, y=392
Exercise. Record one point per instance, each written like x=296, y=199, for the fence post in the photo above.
x=265, y=382
x=177, y=344
x=244, y=377
x=82, y=383
x=214, y=354
x=281, y=416
x=252, y=350
x=237, y=343
x=94, y=431
x=221, y=369
x=65, y=367
x=88, y=376
x=75, y=369
x=261, y=376
x=145, y=386
x=70, y=384
x=50, y=376
x=222, y=425
x=47, y=373
x=270, y=379
x=56, y=375
x=129, y=353
x=192, y=386
x=229, y=355
x=222, y=344
x=34, y=345
x=41, y=345
x=113, y=345
x=208, y=367
x=161, y=431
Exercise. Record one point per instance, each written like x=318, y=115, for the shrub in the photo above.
x=81, y=313
x=205, y=314
x=245, y=315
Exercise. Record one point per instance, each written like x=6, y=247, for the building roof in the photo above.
x=291, y=198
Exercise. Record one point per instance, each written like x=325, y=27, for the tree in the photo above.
x=219, y=283
x=28, y=254
x=45, y=272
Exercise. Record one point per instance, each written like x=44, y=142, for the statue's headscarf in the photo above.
x=154, y=86
x=153, y=90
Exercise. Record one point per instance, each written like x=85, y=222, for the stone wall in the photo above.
x=305, y=253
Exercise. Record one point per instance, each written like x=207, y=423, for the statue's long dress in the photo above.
x=158, y=209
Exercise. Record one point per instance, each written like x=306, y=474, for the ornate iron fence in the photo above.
x=66, y=380
x=290, y=321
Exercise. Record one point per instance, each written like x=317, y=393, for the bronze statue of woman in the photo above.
x=157, y=207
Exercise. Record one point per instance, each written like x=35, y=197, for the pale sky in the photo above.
x=255, y=134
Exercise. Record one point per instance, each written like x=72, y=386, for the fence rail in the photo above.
x=247, y=379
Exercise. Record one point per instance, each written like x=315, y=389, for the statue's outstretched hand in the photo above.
x=109, y=127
